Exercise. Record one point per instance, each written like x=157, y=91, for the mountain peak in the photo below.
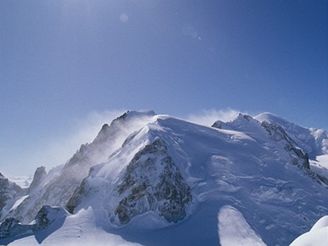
x=102, y=133
x=271, y=118
x=104, y=127
x=244, y=117
x=127, y=118
x=131, y=113
x=39, y=175
x=145, y=171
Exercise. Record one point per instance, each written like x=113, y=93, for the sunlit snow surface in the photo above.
x=317, y=236
x=19, y=201
x=78, y=229
x=242, y=174
x=234, y=229
x=320, y=165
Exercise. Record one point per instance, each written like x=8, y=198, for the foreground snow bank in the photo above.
x=318, y=235
x=234, y=229
x=78, y=229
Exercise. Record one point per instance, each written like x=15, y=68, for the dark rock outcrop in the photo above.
x=9, y=191
x=77, y=196
x=300, y=158
x=152, y=182
x=47, y=221
x=49, y=215
x=7, y=227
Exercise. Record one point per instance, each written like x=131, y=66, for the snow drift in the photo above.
x=147, y=176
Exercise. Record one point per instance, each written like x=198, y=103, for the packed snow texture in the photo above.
x=317, y=236
x=234, y=229
x=78, y=229
x=320, y=165
x=123, y=186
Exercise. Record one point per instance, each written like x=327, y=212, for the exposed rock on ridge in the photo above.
x=152, y=182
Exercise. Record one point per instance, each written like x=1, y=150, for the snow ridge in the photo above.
x=146, y=176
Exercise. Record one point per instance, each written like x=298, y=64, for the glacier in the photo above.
x=149, y=179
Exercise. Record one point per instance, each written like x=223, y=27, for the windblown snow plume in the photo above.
x=149, y=179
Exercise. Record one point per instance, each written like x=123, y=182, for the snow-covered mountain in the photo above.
x=9, y=192
x=59, y=185
x=152, y=179
x=313, y=141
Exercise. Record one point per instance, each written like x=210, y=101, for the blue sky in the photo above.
x=63, y=62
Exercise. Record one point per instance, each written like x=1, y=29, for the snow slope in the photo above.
x=234, y=229
x=69, y=176
x=311, y=140
x=78, y=229
x=222, y=167
x=166, y=181
x=320, y=165
x=317, y=236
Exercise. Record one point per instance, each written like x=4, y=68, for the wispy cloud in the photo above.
x=84, y=130
x=124, y=18
x=208, y=116
x=81, y=131
x=58, y=150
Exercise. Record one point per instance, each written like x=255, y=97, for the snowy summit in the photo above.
x=149, y=179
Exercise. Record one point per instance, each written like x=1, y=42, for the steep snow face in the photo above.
x=109, y=139
x=171, y=174
x=234, y=229
x=9, y=193
x=312, y=141
x=150, y=182
x=318, y=235
x=320, y=165
x=272, y=135
x=250, y=169
x=68, y=177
